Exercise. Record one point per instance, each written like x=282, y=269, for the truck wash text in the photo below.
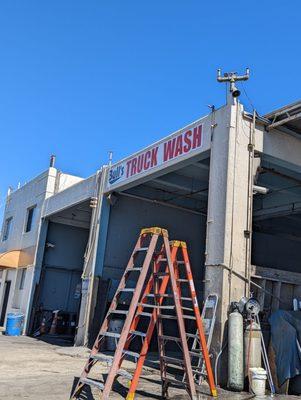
x=163, y=152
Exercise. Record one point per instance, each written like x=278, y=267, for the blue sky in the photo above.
x=79, y=78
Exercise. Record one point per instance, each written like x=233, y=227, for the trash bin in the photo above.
x=14, y=324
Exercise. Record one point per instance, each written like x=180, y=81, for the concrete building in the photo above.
x=44, y=238
x=229, y=184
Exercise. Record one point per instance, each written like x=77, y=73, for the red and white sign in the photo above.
x=174, y=147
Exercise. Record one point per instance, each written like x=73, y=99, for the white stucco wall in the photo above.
x=75, y=194
x=34, y=193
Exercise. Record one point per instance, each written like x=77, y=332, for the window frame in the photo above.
x=22, y=279
x=29, y=210
x=7, y=228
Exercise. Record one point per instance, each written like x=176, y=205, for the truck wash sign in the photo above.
x=156, y=156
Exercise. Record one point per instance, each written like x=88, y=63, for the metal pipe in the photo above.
x=248, y=233
x=52, y=161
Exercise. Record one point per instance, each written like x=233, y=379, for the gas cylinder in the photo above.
x=252, y=345
x=235, y=352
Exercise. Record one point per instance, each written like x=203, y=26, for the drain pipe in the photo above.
x=248, y=231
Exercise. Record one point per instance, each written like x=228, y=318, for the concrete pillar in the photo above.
x=227, y=216
x=90, y=282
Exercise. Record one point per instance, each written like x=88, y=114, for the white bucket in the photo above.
x=258, y=377
x=115, y=326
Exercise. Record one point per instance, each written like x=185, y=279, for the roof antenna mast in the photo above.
x=232, y=78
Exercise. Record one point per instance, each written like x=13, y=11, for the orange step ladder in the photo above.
x=158, y=275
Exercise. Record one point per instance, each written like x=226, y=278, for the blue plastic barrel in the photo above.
x=14, y=324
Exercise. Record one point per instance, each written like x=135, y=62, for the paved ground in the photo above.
x=32, y=369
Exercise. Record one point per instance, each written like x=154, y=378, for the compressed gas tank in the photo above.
x=235, y=352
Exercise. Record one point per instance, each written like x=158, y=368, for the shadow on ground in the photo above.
x=87, y=394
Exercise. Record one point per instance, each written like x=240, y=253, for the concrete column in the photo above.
x=227, y=215
x=97, y=258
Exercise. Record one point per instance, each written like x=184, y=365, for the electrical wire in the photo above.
x=247, y=96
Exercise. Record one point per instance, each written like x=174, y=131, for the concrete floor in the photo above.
x=35, y=370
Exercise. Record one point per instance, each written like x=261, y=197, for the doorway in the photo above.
x=7, y=285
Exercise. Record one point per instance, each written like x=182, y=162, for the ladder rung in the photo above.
x=161, y=274
x=88, y=381
x=101, y=357
x=144, y=314
x=131, y=353
x=192, y=335
x=181, y=262
x=172, y=360
x=174, y=317
x=171, y=338
x=134, y=269
x=174, y=381
x=126, y=374
x=127, y=290
x=141, y=249
x=193, y=354
x=187, y=309
x=182, y=280
x=169, y=296
x=124, y=312
x=156, y=306
x=137, y=333
x=111, y=334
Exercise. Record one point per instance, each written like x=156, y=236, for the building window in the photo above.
x=29, y=218
x=7, y=228
x=22, y=279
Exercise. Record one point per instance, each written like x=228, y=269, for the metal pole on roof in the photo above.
x=231, y=78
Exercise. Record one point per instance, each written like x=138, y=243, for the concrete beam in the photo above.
x=177, y=182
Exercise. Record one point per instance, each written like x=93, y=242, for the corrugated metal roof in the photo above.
x=288, y=116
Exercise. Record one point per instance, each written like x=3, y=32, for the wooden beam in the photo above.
x=277, y=275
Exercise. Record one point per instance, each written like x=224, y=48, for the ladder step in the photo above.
x=192, y=335
x=141, y=249
x=137, y=333
x=124, y=312
x=145, y=314
x=181, y=262
x=127, y=290
x=126, y=374
x=172, y=360
x=182, y=280
x=169, y=296
x=187, y=309
x=131, y=353
x=134, y=269
x=174, y=381
x=171, y=338
x=194, y=354
x=111, y=334
x=91, y=382
x=155, y=306
x=101, y=357
x=160, y=274
x=175, y=317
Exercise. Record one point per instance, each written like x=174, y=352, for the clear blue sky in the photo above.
x=79, y=78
